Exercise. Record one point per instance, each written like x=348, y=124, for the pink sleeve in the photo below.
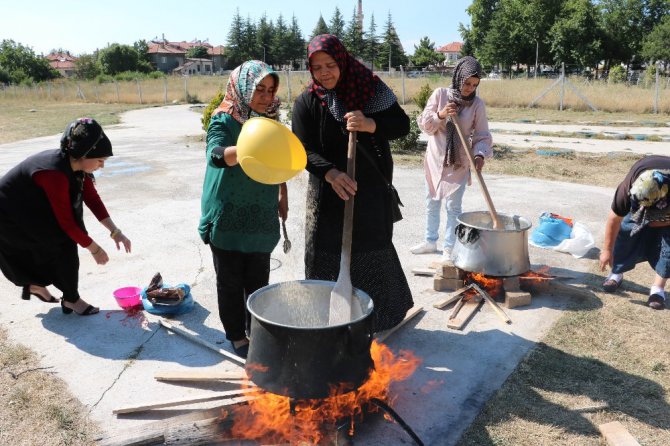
x=482, y=142
x=428, y=121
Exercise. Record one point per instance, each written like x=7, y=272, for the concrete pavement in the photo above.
x=152, y=189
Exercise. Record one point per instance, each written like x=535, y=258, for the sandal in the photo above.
x=611, y=285
x=25, y=295
x=656, y=302
x=90, y=310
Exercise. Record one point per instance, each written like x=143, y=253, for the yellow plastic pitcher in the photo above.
x=268, y=152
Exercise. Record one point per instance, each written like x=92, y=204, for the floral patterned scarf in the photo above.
x=240, y=90
x=358, y=88
x=649, y=198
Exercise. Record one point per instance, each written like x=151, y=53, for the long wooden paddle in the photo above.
x=341, y=296
x=478, y=174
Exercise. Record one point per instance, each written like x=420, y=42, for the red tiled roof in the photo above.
x=60, y=56
x=182, y=47
x=62, y=64
x=216, y=51
x=453, y=47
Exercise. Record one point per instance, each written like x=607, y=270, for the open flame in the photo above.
x=269, y=417
x=492, y=285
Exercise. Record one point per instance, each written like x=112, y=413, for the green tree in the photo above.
x=264, y=33
x=656, y=45
x=197, y=52
x=622, y=21
x=353, y=37
x=297, y=48
x=575, y=36
x=336, y=25
x=371, y=43
x=249, y=46
x=118, y=58
x=390, y=50
x=320, y=28
x=425, y=54
x=20, y=64
x=481, y=14
x=87, y=67
x=235, y=43
x=281, y=43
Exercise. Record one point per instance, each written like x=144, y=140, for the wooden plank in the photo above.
x=451, y=297
x=195, y=338
x=469, y=308
x=154, y=433
x=423, y=271
x=180, y=402
x=489, y=300
x=382, y=335
x=200, y=376
x=616, y=434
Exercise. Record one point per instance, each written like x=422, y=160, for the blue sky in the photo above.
x=82, y=26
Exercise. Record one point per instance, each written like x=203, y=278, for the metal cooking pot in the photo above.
x=293, y=350
x=495, y=252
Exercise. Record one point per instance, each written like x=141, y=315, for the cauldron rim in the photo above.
x=368, y=303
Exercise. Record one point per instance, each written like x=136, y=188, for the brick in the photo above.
x=449, y=271
x=536, y=286
x=516, y=299
x=442, y=284
x=511, y=283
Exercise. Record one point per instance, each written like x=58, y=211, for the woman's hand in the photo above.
x=343, y=186
x=605, y=259
x=99, y=254
x=451, y=109
x=479, y=163
x=358, y=122
x=121, y=239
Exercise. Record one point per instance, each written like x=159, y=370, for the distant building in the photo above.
x=63, y=62
x=451, y=51
x=170, y=57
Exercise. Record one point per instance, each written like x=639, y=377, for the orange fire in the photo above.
x=492, y=285
x=269, y=417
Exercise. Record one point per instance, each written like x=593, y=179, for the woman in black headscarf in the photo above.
x=446, y=165
x=41, y=216
x=346, y=96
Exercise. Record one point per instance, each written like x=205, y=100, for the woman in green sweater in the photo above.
x=239, y=215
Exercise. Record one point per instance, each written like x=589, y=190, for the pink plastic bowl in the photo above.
x=128, y=297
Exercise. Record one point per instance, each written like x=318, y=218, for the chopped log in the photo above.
x=382, y=335
x=616, y=434
x=180, y=402
x=556, y=287
x=489, y=300
x=194, y=338
x=200, y=376
x=451, y=297
x=470, y=306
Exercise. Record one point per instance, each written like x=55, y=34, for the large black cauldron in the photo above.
x=295, y=353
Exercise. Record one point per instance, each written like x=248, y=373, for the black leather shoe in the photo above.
x=242, y=351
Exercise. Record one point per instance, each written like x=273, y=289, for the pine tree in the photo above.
x=296, y=50
x=281, y=43
x=337, y=24
x=235, y=41
x=353, y=38
x=391, y=53
x=320, y=28
x=264, y=34
x=371, y=43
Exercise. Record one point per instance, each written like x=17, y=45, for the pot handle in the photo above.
x=466, y=234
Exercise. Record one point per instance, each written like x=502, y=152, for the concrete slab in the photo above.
x=152, y=189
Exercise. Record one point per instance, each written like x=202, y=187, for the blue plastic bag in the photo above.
x=184, y=307
x=551, y=230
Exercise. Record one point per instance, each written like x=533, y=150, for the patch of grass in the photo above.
x=22, y=120
x=37, y=408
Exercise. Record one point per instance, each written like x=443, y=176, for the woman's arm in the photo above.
x=482, y=142
x=95, y=204
x=392, y=123
x=429, y=120
x=221, y=151
x=307, y=129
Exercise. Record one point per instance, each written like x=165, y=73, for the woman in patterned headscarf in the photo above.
x=346, y=96
x=239, y=215
x=638, y=227
x=446, y=165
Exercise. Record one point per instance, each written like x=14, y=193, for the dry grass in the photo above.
x=37, y=408
x=22, y=120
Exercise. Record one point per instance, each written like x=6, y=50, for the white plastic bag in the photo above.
x=580, y=242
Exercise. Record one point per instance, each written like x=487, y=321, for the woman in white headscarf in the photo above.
x=446, y=165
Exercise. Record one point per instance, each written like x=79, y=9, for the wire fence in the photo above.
x=646, y=95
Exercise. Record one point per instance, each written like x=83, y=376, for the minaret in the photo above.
x=360, y=14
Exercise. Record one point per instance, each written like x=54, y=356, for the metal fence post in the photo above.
x=402, y=80
x=657, y=91
x=165, y=90
x=288, y=83
x=186, y=88
x=562, y=84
